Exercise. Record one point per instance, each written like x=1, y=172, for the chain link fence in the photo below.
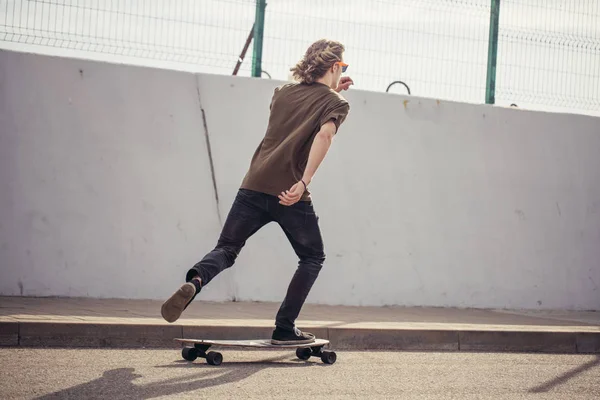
x=437, y=48
x=548, y=51
x=549, y=54
x=207, y=33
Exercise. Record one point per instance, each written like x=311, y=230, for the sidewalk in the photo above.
x=81, y=322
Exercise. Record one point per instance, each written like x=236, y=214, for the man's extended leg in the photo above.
x=248, y=214
x=301, y=226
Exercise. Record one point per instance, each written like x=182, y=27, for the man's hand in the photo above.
x=344, y=84
x=293, y=195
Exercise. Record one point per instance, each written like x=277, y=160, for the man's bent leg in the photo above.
x=247, y=216
x=301, y=226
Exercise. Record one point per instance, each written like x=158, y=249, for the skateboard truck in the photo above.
x=199, y=350
x=304, y=353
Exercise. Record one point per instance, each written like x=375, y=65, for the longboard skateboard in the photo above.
x=303, y=351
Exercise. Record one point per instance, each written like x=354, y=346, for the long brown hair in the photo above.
x=319, y=57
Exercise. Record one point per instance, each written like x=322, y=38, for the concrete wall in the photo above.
x=105, y=183
x=106, y=191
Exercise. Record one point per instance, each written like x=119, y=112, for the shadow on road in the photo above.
x=118, y=383
x=565, y=377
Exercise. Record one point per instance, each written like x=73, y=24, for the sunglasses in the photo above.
x=343, y=65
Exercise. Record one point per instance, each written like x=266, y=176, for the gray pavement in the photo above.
x=76, y=322
x=28, y=373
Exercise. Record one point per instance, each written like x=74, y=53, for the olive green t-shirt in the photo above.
x=298, y=111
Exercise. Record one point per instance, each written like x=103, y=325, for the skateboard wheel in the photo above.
x=328, y=357
x=189, y=353
x=303, y=353
x=214, y=358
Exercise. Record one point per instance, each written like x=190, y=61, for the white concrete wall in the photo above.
x=105, y=187
x=106, y=191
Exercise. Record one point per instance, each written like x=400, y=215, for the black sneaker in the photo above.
x=296, y=336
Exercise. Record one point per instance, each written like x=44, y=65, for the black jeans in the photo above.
x=250, y=212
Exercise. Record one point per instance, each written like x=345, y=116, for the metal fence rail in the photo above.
x=548, y=50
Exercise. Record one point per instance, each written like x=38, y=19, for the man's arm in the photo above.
x=318, y=150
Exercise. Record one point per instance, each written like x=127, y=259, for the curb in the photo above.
x=118, y=335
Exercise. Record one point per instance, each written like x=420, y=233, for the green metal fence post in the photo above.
x=490, y=83
x=259, y=27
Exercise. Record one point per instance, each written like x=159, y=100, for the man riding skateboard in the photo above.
x=305, y=116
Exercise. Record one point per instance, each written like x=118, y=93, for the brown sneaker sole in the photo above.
x=172, y=308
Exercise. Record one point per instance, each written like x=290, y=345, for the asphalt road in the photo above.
x=145, y=374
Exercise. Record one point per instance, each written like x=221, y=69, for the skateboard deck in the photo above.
x=254, y=343
x=303, y=351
